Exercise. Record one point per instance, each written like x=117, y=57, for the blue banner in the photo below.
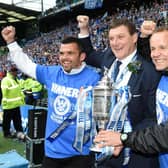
x=93, y=4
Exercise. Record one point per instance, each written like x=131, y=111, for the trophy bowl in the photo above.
x=101, y=105
x=109, y=108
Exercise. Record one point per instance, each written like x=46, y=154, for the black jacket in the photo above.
x=150, y=140
x=141, y=108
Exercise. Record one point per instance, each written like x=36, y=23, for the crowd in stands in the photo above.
x=62, y=5
x=44, y=49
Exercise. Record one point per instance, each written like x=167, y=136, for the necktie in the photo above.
x=116, y=70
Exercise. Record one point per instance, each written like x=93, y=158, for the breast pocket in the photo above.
x=136, y=95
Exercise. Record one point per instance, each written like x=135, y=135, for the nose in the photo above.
x=155, y=53
x=63, y=55
x=114, y=42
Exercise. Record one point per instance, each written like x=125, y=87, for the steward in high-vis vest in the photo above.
x=32, y=85
x=12, y=99
x=32, y=90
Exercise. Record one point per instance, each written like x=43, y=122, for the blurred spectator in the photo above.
x=12, y=99
x=32, y=90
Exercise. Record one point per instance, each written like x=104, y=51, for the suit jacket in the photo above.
x=141, y=108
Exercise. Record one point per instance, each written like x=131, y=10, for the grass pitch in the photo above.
x=12, y=144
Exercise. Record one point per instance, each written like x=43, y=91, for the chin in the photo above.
x=67, y=70
x=160, y=68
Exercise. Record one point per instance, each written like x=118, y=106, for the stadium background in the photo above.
x=62, y=14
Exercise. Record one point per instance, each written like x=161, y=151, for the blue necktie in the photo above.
x=117, y=69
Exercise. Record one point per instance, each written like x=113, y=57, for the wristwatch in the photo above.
x=123, y=137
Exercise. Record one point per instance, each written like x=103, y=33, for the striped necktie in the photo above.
x=116, y=71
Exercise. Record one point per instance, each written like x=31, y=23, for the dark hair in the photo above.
x=125, y=22
x=13, y=69
x=71, y=39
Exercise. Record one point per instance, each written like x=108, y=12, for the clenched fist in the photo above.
x=147, y=28
x=8, y=34
x=83, y=24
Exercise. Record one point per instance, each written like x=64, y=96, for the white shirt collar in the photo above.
x=128, y=59
x=76, y=70
x=124, y=64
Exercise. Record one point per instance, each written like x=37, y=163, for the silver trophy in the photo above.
x=101, y=104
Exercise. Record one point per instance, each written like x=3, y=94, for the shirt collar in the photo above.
x=128, y=59
x=76, y=70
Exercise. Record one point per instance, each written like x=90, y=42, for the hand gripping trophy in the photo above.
x=109, y=105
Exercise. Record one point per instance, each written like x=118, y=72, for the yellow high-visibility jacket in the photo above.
x=12, y=95
x=31, y=85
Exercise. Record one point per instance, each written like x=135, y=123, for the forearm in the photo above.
x=93, y=58
x=22, y=61
x=150, y=140
x=87, y=44
x=144, y=47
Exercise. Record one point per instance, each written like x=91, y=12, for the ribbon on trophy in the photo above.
x=118, y=118
x=82, y=114
x=83, y=129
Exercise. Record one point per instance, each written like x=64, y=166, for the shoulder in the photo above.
x=149, y=71
x=92, y=69
x=45, y=73
x=6, y=78
x=5, y=81
x=108, y=52
x=92, y=72
x=48, y=69
x=147, y=65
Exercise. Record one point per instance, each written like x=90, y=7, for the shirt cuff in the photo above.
x=83, y=36
x=13, y=46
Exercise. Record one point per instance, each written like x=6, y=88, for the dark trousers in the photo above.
x=12, y=115
x=71, y=162
x=136, y=161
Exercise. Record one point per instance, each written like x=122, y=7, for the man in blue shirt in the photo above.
x=66, y=143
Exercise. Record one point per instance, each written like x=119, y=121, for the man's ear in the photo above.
x=135, y=37
x=82, y=56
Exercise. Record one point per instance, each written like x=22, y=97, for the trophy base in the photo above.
x=95, y=149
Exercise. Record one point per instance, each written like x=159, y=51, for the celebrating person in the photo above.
x=136, y=72
x=153, y=139
x=69, y=85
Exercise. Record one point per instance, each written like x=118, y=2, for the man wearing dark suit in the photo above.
x=143, y=83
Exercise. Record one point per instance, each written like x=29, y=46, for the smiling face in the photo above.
x=70, y=56
x=122, y=42
x=159, y=49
